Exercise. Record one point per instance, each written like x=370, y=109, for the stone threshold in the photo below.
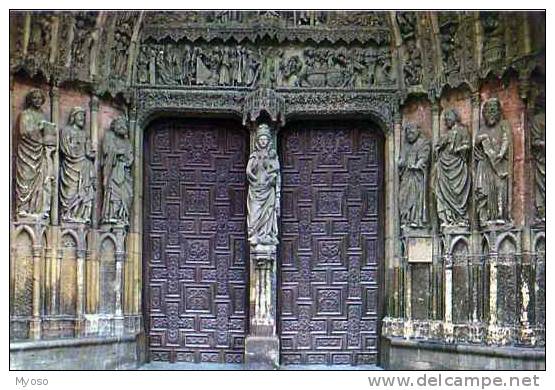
x=164, y=366
x=532, y=353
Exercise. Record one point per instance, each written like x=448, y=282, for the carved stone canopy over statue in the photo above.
x=492, y=168
x=413, y=170
x=118, y=182
x=263, y=175
x=453, y=176
x=34, y=173
x=77, y=173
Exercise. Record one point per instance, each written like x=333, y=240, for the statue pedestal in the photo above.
x=262, y=352
x=262, y=344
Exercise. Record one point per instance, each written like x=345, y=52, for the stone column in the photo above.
x=55, y=118
x=436, y=247
x=35, y=325
x=492, y=333
x=448, y=303
x=54, y=236
x=262, y=343
x=94, y=107
x=119, y=284
x=80, y=301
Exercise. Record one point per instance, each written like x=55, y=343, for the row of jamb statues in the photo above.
x=36, y=174
x=452, y=184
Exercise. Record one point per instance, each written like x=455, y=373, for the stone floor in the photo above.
x=235, y=367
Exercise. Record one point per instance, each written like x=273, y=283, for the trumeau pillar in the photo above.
x=263, y=205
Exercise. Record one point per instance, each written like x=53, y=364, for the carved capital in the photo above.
x=475, y=100
x=54, y=92
x=94, y=103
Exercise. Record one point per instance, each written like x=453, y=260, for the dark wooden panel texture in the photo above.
x=331, y=252
x=194, y=248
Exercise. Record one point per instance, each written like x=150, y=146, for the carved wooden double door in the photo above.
x=194, y=245
x=330, y=244
x=196, y=256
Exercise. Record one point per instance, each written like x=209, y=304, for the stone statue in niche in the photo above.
x=77, y=173
x=120, y=51
x=40, y=36
x=537, y=130
x=34, y=172
x=118, y=182
x=407, y=23
x=494, y=46
x=413, y=64
x=83, y=37
x=143, y=64
x=263, y=175
x=413, y=171
x=492, y=168
x=448, y=29
x=453, y=176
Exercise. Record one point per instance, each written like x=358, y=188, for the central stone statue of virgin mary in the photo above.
x=263, y=175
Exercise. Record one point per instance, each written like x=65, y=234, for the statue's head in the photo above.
x=263, y=136
x=451, y=117
x=35, y=98
x=77, y=117
x=491, y=111
x=412, y=132
x=119, y=126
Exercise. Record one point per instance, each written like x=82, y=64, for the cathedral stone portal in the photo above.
x=277, y=189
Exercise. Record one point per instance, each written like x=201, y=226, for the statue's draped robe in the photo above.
x=76, y=176
x=262, y=174
x=537, y=129
x=453, y=179
x=32, y=166
x=492, y=183
x=118, y=181
x=413, y=184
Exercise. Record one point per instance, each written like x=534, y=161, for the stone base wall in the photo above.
x=107, y=353
x=402, y=354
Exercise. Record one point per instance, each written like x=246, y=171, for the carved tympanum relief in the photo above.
x=413, y=171
x=492, y=152
x=248, y=66
x=453, y=175
x=77, y=173
x=34, y=173
x=117, y=161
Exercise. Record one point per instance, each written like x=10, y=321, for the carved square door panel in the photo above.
x=194, y=241
x=331, y=251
